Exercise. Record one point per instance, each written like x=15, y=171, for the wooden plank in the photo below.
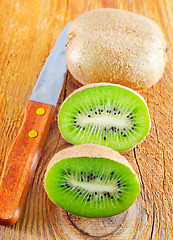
x=28, y=31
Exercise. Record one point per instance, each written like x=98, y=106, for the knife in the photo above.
x=21, y=162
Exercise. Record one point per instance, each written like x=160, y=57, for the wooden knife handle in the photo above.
x=21, y=162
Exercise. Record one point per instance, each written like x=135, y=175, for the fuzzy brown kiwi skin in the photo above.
x=129, y=49
x=103, y=84
x=88, y=150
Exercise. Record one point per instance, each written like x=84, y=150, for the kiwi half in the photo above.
x=106, y=114
x=91, y=181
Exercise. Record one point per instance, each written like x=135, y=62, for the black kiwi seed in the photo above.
x=121, y=133
x=124, y=129
x=108, y=194
x=124, y=186
x=132, y=128
x=131, y=118
x=115, y=113
x=119, y=191
x=82, y=179
x=89, y=115
x=119, y=112
x=81, y=172
x=130, y=114
x=118, y=181
x=77, y=126
x=62, y=185
x=83, y=128
x=112, y=197
x=78, y=190
x=90, y=195
x=91, y=109
x=110, y=111
x=104, y=138
x=134, y=125
x=124, y=135
x=114, y=109
x=105, y=129
x=104, y=194
x=79, y=112
x=107, y=111
x=88, y=199
x=95, y=193
x=112, y=173
x=91, y=174
x=64, y=172
x=95, y=112
x=74, y=118
x=101, y=178
x=118, y=199
x=69, y=172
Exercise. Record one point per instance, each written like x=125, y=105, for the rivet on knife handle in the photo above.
x=22, y=160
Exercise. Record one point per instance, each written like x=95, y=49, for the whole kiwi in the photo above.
x=110, y=45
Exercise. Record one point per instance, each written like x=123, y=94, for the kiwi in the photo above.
x=91, y=181
x=106, y=114
x=110, y=45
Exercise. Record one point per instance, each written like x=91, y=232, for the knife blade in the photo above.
x=21, y=162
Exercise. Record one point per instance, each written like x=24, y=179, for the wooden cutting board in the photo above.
x=28, y=30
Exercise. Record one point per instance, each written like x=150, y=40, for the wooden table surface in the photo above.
x=28, y=30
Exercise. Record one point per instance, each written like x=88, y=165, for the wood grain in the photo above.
x=28, y=31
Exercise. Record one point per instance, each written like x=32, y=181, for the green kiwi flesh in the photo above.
x=106, y=114
x=91, y=187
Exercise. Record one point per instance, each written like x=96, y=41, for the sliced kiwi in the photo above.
x=105, y=114
x=91, y=186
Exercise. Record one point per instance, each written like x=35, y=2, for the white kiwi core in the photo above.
x=91, y=187
x=119, y=121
